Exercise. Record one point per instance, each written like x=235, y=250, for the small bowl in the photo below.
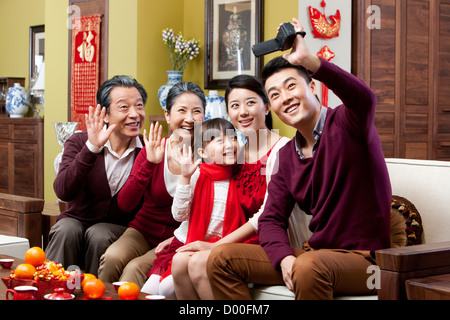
x=6, y=263
x=117, y=284
x=155, y=297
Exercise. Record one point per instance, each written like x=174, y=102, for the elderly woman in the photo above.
x=151, y=186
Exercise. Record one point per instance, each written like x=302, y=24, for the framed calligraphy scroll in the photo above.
x=85, y=55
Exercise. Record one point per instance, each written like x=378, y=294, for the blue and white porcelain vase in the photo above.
x=17, y=101
x=215, y=106
x=173, y=78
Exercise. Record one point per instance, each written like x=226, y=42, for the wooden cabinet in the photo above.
x=5, y=83
x=407, y=64
x=21, y=157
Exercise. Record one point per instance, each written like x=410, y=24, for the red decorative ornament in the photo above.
x=322, y=28
x=326, y=54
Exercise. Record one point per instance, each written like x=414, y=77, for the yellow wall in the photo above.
x=56, y=84
x=16, y=18
x=135, y=49
x=152, y=54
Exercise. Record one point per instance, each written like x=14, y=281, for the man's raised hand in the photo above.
x=95, y=121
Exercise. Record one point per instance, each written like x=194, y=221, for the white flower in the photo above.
x=181, y=50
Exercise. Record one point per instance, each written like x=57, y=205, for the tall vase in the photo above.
x=63, y=132
x=215, y=106
x=17, y=101
x=173, y=78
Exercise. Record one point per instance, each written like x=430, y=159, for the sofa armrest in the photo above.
x=400, y=264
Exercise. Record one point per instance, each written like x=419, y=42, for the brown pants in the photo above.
x=316, y=274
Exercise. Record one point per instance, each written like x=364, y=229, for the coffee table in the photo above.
x=110, y=293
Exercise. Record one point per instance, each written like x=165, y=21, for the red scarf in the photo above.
x=203, y=200
x=202, y=204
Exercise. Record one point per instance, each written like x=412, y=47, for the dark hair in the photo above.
x=103, y=93
x=279, y=63
x=209, y=130
x=253, y=84
x=184, y=87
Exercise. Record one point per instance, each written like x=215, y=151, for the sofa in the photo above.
x=426, y=185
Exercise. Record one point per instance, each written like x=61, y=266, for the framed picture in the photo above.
x=232, y=28
x=37, y=51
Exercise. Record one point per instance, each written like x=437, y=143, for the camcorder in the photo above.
x=284, y=41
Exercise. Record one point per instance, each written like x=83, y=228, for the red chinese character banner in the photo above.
x=85, y=66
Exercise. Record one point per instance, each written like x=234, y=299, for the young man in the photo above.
x=335, y=170
x=95, y=165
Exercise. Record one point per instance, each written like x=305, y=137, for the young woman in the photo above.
x=151, y=186
x=248, y=108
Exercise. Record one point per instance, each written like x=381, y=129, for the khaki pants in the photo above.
x=316, y=274
x=129, y=259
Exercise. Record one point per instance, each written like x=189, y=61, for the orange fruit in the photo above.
x=35, y=256
x=25, y=271
x=87, y=276
x=128, y=291
x=94, y=289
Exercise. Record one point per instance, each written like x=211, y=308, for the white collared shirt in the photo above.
x=117, y=168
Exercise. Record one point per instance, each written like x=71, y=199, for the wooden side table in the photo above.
x=401, y=264
x=429, y=288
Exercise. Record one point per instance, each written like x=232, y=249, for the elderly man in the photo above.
x=95, y=165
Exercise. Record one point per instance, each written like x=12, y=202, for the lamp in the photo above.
x=37, y=91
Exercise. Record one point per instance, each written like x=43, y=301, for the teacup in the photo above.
x=155, y=297
x=23, y=293
x=6, y=263
x=59, y=294
x=118, y=284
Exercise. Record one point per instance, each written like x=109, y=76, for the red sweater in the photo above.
x=345, y=186
x=146, y=185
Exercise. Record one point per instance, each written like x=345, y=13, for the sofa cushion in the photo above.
x=406, y=223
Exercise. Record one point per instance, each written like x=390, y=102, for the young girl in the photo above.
x=206, y=200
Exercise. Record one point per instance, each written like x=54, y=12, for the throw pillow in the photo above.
x=406, y=223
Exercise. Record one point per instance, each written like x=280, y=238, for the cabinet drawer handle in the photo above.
x=447, y=110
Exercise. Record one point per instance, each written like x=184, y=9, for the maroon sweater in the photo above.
x=345, y=185
x=82, y=182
